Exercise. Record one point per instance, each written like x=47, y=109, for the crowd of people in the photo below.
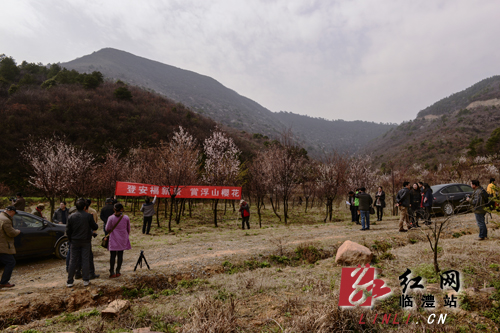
x=415, y=203
x=81, y=224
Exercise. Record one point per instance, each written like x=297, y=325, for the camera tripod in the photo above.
x=139, y=261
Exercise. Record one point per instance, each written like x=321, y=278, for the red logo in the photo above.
x=358, y=286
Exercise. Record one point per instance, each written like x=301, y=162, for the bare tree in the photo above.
x=177, y=166
x=259, y=183
x=113, y=169
x=287, y=164
x=221, y=164
x=332, y=176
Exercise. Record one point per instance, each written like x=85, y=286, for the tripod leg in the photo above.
x=137, y=264
x=145, y=261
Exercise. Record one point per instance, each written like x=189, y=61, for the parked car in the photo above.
x=39, y=237
x=449, y=198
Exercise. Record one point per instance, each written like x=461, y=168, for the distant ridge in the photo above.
x=208, y=97
x=457, y=125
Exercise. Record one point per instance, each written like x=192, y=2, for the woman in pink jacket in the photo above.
x=118, y=227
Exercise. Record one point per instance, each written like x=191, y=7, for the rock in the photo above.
x=352, y=254
x=115, y=308
x=488, y=290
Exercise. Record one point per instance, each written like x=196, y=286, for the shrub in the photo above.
x=123, y=93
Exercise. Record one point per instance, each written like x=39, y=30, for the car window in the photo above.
x=17, y=221
x=466, y=188
x=451, y=189
x=30, y=222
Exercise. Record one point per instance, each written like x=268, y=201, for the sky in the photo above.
x=379, y=61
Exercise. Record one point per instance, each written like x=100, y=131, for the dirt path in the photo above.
x=41, y=290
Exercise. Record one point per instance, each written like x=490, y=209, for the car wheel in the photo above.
x=62, y=248
x=448, y=209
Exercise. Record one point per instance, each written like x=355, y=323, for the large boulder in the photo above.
x=353, y=254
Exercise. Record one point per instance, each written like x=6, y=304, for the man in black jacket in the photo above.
x=365, y=201
x=78, y=230
x=106, y=212
x=61, y=214
x=403, y=202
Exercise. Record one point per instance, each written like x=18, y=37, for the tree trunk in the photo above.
x=165, y=208
x=225, y=207
x=172, y=198
x=259, y=205
x=158, y=212
x=285, y=209
x=307, y=203
x=216, y=201
x=274, y=208
x=52, y=206
x=189, y=206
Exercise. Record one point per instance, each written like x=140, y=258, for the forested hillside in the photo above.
x=38, y=101
x=322, y=135
x=461, y=124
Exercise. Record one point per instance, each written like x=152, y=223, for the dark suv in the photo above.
x=39, y=237
x=449, y=198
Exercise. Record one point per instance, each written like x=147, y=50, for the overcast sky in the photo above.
x=378, y=60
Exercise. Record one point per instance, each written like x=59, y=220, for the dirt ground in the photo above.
x=193, y=252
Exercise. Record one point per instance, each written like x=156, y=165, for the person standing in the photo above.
x=61, y=214
x=106, y=212
x=91, y=210
x=148, y=209
x=245, y=214
x=415, y=202
x=79, y=231
x=7, y=248
x=118, y=227
x=490, y=189
x=39, y=210
x=380, y=203
x=403, y=202
x=356, y=205
x=365, y=201
x=427, y=200
x=92, y=274
x=19, y=203
x=353, y=209
x=478, y=200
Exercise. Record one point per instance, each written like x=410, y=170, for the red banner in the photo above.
x=187, y=192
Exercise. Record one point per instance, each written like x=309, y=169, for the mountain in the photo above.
x=456, y=125
x=208, y=97
x=200, y=93
x=322, y=135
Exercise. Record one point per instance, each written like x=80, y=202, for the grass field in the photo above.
x=272, y=279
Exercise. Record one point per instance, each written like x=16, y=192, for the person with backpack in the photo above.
x=403, y=202
x=479, y=200
x=245, y=214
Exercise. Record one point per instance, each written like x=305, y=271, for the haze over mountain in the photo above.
x=460, y=124
x=208, y=97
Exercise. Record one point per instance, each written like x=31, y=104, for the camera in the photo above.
x=13, y=199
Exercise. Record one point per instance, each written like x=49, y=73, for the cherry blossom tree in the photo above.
x=221, y=164
x=177, y=166
x=113, y=169
x=259, y=179
x=57, y=167
x=332, y=179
